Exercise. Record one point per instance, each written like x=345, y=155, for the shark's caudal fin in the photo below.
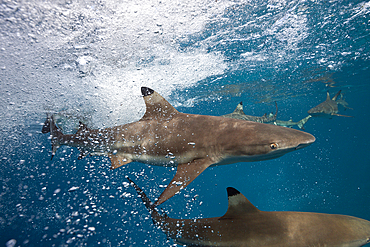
x=82, y=130
x=336, y=96
x=148, y=204
x=239, y=205
x=303, y=121
x=156, y=216
x=55, y=132
x=342, y=102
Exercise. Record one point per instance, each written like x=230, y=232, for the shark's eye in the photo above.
x=273, y=146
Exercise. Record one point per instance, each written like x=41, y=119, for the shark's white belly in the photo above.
x=159, y=160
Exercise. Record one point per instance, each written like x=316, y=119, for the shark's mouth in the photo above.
x=302, y=145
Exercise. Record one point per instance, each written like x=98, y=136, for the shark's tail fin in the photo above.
x=156, y=216
x=55, y=133
x=276, y=112
x=336, y=96
x=342, y=102
x=148, y=204
x=303, y=121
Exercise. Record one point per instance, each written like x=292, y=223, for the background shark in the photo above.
x=166, y=137
x=290, y=123
x=238, y=113
x=329, y=107
x=245, y=225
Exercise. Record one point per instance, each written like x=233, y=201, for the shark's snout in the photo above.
x=306, y=141
x=313, y=110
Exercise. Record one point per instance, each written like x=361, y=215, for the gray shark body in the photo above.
x=329, y=107
x=243, y=225
x=166, y=137
x=291, y=124
x=238, y=113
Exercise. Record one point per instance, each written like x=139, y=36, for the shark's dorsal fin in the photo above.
x=239, y=205
x=239, y=109
x=327, y=96
x=156, y=105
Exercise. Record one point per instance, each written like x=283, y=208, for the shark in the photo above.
x=290, y=123
x=190, y=142
x=244, y=225
x=238, y=113
x=329, y=107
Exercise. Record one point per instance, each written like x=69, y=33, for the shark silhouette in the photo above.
x=290, y=123
x=329, y=107
x=166, y=137
x=238, y=113
x=243, y=225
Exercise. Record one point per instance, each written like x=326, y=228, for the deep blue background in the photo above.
x=330, y=176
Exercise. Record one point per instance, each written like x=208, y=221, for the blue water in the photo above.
x=88, y=59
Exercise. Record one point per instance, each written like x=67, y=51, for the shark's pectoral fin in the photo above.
x=339, y=115
x=185, y=174
x=117, y=161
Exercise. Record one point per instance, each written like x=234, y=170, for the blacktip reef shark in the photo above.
x=166, y=137
x=243, y=225
x=290, y=122
x=238, y=113
x=329, y=107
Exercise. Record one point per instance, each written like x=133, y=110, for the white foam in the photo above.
x=91, y=60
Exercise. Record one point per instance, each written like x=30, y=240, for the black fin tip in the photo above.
x=46, y=127
x=232, y=192
x=145, y=91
